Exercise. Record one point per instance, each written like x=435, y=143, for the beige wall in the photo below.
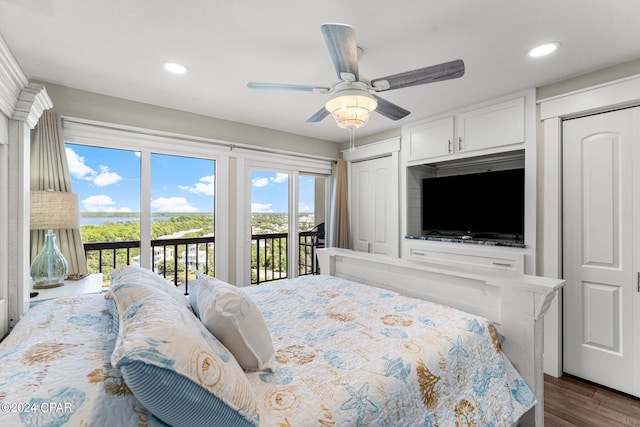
x=92, y=106
x=604, y=75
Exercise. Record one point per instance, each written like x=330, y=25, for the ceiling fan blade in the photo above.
x=390, y=110
x=341, y=42
x=318, y=116
x=278, y=86
x=435, y=73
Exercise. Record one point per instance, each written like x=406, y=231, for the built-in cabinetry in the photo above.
x=498, y=124
x=495, y=135
x=502, y=258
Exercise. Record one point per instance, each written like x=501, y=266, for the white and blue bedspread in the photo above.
x=349, y=354
x=55, y=369
x=346, y=355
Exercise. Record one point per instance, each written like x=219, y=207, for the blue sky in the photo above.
x=108, y=180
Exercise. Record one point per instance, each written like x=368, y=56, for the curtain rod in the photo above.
x=228, y=145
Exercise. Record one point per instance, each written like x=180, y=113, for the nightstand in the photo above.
x=89, y=285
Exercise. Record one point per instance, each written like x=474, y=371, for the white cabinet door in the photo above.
x=492, y=126
x=600, y=298
x=429, y=140
x=374, y=206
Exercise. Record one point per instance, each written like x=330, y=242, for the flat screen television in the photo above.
x=482, y=205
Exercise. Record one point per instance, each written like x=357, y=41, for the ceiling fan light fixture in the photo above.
x=351, y=108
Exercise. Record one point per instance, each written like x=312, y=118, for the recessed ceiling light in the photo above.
x=175, y=68
x=543, y=49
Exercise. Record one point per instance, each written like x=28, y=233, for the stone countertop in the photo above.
x=472, y=241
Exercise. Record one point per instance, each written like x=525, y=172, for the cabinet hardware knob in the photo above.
x=450, y=147
x=459, y=143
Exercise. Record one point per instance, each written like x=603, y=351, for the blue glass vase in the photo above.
x=49, y=268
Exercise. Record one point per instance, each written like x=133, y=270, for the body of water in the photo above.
x=100, y=220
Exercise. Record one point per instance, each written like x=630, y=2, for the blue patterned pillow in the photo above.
x=142, y=276
x=179, y=371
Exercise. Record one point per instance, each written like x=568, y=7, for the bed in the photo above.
x=343, y=353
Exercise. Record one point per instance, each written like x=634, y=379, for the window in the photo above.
x=193, y=195
x=145, y=207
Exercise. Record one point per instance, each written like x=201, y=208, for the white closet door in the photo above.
x=374, y=207
x=598, y=248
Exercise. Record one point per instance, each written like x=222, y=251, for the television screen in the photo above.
x=488, y=204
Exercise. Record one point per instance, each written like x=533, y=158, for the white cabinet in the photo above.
x=492, y=126
x=482, y=128
x=430, y=139
x=496, y=258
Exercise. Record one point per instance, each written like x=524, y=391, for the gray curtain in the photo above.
x=340, y=232
x=49, y=171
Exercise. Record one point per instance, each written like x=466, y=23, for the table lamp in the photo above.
x=52, y=210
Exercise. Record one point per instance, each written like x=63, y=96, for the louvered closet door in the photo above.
x=600, y=248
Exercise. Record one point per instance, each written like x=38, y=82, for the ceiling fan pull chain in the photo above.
x=352, y=139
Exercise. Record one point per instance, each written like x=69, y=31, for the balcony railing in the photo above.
x=178, y=259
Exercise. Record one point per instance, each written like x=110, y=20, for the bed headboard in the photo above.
x=516, y=303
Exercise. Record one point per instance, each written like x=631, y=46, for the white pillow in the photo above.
x=234, y=319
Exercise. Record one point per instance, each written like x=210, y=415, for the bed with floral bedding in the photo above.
x=316, y=350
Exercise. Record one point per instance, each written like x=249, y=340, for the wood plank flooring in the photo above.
x=570, y=401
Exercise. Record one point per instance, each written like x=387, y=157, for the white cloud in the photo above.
x=305, y=209
x=105, y=177
x=261, y=207
x=102, y=203
x=259, y=182
x=205, y=186
x=280, y=178
x=77, y=168
x=172, y=204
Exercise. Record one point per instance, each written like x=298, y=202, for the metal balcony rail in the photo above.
x=175, y=259
x=178, y=259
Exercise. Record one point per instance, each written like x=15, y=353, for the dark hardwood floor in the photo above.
x=570, y=401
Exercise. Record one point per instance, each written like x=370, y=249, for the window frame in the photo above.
x=132, y=139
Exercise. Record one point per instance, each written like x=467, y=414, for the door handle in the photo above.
x=638, y=282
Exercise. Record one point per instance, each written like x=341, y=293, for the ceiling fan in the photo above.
x=353, y=98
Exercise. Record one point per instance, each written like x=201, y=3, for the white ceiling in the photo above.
x=118, y=48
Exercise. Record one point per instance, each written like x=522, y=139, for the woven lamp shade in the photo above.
x=54, y=210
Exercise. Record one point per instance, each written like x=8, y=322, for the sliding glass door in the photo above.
x=287, y=223
x=270, y=225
